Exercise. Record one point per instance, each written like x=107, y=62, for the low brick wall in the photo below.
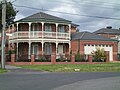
x=53, y=61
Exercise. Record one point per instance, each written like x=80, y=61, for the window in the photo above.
x=48, y=27
x=61, y=28
x=35, y=49
x=35, y=27
x=20, y=27
x=48, y=48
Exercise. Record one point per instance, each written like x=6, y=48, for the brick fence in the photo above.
x=53, y=60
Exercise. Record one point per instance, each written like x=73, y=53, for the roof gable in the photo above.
x=89, y=36
x=107, y=31
x=43, y=17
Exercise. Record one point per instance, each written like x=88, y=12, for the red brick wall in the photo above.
x=53, y=48
x=66, y=27
x=108, y=35
x=53, y=28
x=74, y=46
x=73, y=29
x=40, y=27
x=67, y=49
x=39, y=49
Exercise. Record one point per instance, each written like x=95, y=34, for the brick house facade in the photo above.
x=86, y=43
x=40, y=34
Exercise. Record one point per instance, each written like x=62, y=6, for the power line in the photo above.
x=110, y=3
x=88, y=4
x=113, y=18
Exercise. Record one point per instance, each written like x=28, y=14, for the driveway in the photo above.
x=21, y=79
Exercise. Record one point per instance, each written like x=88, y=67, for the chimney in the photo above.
x=109, y=27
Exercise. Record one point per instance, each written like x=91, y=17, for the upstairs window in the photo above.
x=35, y=27
x=61, y=28
x=48, y=28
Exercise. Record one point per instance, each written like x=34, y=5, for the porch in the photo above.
x=24, y=50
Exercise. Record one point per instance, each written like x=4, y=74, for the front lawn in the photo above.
x=106, y=67
x=2, y=71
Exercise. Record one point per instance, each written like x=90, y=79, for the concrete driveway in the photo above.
x=20, y=79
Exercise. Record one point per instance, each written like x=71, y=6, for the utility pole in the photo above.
x=3, y=34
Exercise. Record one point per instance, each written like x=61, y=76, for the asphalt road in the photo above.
x=34, y=80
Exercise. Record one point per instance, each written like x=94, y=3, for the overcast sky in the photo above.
x=103, y=8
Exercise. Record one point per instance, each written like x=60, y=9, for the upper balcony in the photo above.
x=39, y=31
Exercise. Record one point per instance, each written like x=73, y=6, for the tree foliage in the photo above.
x=10, y=13
x=99, y=54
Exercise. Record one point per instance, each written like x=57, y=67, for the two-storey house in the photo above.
x=40, y=34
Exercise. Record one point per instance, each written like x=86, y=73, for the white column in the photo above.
x=56, y=38
x=56, y=48
x=56, y=31
x=29, y=52
x=29, y=28
x=42, y=29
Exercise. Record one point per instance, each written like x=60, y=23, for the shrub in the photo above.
x=80, y=58
x=99, y=55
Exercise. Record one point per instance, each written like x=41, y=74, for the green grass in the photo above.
x=106, y=67
x=2, y=71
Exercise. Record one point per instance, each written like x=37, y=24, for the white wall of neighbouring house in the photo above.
x=119, y=47
x=88, y=49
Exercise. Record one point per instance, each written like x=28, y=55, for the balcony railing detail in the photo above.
x=39, y=34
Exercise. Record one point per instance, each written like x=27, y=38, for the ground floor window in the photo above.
x=48, y=48
x=34, y=49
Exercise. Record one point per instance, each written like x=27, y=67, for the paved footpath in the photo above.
x=24, y=79
x=19, y=70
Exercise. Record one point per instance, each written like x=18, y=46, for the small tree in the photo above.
x=99, y=55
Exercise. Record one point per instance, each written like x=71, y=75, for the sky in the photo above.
x=102, y=8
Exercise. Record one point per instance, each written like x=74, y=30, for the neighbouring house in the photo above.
x=85, y=43
x=110, y=33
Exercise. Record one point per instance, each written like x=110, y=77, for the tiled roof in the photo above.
x=89, y=36
x=107, y=31
x=43, y=17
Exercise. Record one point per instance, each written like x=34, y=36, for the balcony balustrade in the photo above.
x=39, y=34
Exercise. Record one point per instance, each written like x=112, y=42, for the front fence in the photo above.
x=42, y=58
x=49, y=59
x=23, y=58
x=81, y=58
x=63, y=58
